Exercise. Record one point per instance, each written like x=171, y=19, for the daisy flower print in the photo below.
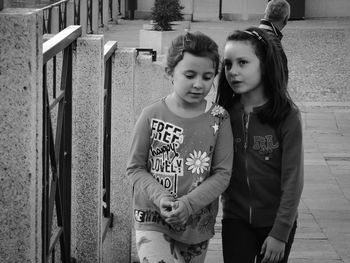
x=198, y=162
x=217, y=111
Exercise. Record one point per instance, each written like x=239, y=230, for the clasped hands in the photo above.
x=173, y=211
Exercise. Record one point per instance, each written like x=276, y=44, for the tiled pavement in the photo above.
x=323, y=234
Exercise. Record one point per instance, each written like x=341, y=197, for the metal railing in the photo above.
x=56, y=16
x=109, y=49
x=89, y=17
x=48, y=16
x=57, y=148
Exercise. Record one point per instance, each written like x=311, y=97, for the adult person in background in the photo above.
x=276, y=16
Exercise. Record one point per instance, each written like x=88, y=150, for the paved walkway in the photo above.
x=323, y=234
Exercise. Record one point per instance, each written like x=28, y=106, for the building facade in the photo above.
x=244, y=9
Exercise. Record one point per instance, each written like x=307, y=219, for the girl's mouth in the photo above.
x=235, y=82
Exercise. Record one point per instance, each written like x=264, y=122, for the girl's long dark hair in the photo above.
x=274, y=77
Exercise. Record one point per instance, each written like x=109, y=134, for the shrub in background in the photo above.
x=164, y=12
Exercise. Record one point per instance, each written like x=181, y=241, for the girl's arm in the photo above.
x=221, y=167
x=137, y=172
x=292, y=176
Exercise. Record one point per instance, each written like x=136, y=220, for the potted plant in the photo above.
x=161, y=31
x=164, y=12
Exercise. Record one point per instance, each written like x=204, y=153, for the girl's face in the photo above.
x=193, y=77
x=242, y=68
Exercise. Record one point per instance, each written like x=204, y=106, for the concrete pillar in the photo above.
x=117, y=245
x=87, y=149
x=20, y=135
x=151, y=83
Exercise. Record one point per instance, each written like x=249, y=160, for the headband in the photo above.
x=256, y=35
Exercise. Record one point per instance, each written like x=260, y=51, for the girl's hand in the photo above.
x=165, y=206
x=179, y=213
x=273, y=250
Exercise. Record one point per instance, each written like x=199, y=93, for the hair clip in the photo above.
x=255, y=34
x=186, y=39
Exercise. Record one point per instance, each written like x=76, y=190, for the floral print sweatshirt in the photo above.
x=187, y=158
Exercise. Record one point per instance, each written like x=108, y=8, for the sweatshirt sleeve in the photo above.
x=137, y=172
x=221, y=167
x=292, y=176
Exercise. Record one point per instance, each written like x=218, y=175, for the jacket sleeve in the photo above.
x=137, y=172
x=292, y=176
x=221, y=167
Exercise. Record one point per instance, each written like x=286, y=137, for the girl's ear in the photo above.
x=168, y=71
x=169, y=74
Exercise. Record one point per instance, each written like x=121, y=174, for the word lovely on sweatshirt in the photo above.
x=165, y=161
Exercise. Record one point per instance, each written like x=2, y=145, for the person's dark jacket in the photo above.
x=267, y=178
x=276, y=35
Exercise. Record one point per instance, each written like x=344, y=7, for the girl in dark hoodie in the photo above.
x=260, y=204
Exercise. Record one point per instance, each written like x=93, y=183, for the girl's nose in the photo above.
x=198, y=83
x=234, y=70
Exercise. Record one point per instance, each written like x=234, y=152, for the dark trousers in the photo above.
x=241, y=242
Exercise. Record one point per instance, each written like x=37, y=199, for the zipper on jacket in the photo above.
x=245, y=119
x=245, y=124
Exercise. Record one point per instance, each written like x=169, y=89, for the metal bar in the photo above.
x=152, y=52
x=55, y=4
x=61, y=107
x=77, y=12
x=47, y=21
x=58, y=154
x=106, y=222
x=54, y=238
x=58, y=99
x=65, y=250
x=53, y=162
x=110, y=10
x=54, y=77
x=45, y=180
x=62, y=16
x=59, y=129
x=107, y=138
x=109, y=48
x=89, y=16
x=52, y=203
x=100, y=11
x=55, y=193
x=60, y=41
x=66, y=152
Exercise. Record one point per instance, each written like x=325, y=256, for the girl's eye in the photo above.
x=208, y=77
x=227, y=64
x=242, y=62
x=189, y=76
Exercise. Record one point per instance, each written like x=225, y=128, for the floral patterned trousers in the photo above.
x=156, y=247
